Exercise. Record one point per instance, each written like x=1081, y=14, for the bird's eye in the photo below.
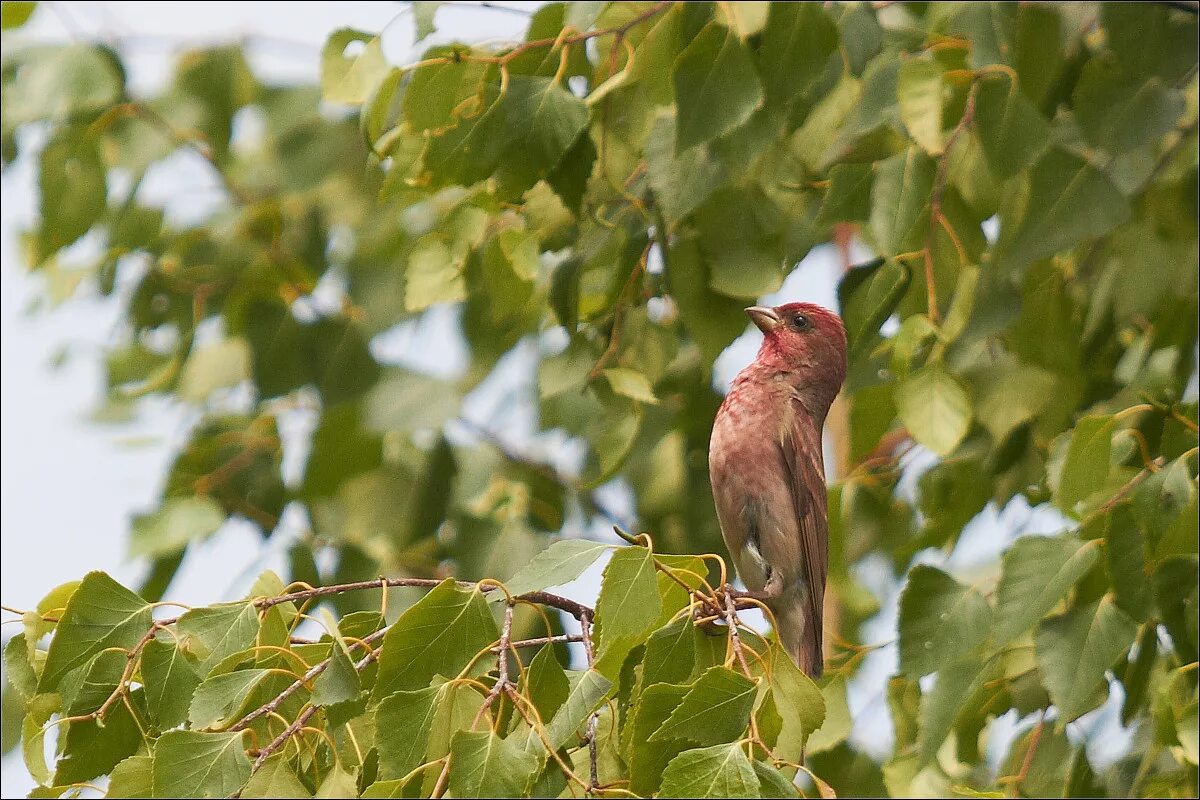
x=801, y=322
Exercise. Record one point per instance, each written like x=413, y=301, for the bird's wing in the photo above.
x=800, y=449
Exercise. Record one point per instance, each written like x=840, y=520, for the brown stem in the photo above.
x=541, y=598
x=578, y=38
x=585, y=628
x=316, y=670
x=1034, y=739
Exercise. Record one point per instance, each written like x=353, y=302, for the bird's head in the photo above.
x=805, y=340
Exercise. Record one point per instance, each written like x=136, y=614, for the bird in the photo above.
x=767, y=471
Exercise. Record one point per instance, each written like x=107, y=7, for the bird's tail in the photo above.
x=800, y=635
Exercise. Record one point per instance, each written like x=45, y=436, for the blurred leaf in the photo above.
x=940, y=620
x=796, y=46
x=1069, y=201
x=350, y=78
x=867, y=296
x=1037, y=573
x=919, y=91
x=716, y=86
x=178, y=522
x=935, y=408
x=1076, y=648
x=900, y=202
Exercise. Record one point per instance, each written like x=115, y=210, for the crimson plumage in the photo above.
x=766, y=465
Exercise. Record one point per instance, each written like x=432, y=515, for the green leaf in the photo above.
x=402, y=724
x=795, y=50
x=1011, y=394
x=132, y=778
x=543, y=119
x=900, y=202
x=1036, y=574
x=1125, y=558
x=15, y=14
x=438, y=634
x=100, y=614
x=671, y=653
x=59, y=83
x=339, y=682
x=1069, y=201
x=867, y=295
x=940, y=621
x=715, y=709
x=436, y=90
x=351, y=79
x=712, y=320
x=647, y=759
x=800, y=704
x=434, y=275
x=1011, y=131
x=219, y=698
x=1118, y=113
x=175, y=524
x=561, y=562
x=72, y=189
x=424, y=12
x=33, y=735
x=719, y=771
x=716, y=86
x=170, y=680
x=18, y=669
x=681, y=180
x=1087, y=466
x=631, y=383
x=629, y=603
x=190, y=764
x=219, y=365
x=275, y=778
x=740, y=237
x=214, y=633
x=546, y=683
x=1076, y=648
x=919, y=91
x=484, y=765
x=848, y=198
x=338, y=782
x=944, y=703
x=92, y=748
x=935, y=407
x=586, y=696
x=837, y=724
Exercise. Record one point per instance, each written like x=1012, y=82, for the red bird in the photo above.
x=767, y=468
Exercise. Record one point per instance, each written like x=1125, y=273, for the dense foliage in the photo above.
x=605, y=198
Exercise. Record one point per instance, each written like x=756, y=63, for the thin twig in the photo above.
x=543, y=598
x=316, y=670
x=1035, y=738
x=585, y=627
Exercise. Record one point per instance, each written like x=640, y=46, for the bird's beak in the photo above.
x=765, y=318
